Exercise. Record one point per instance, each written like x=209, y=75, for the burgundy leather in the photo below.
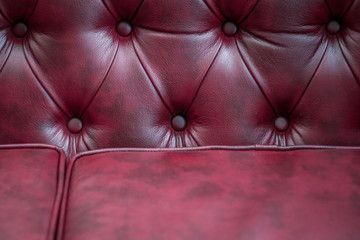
x=31, y=185
x=213, y=194
x=229, y=68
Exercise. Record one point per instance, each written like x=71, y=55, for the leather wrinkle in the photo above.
x=253, y=77
x=160, y=31
x=149, y=77
x=205, y=75
x=40, y=82
x=102, y=81
x=347, y=62
x=193, y=137
x=254, y=35
x=311, y=79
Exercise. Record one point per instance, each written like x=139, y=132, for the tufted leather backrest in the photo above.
x=91, y=74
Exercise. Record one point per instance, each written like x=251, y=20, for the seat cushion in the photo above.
x=213, y=193
x=31, y=184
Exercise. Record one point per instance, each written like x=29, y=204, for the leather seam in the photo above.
x=310, y=81
x=41, y=83
x=137, y=10
x=212, y=10
x=7, y=57
x=150, y=79
x=109, y=10
x=204, y=77
x=347, y=62
x=103, y=80
x=255, y=80
x=32, y=11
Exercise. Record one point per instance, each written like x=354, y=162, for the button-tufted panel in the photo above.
x=91, y=74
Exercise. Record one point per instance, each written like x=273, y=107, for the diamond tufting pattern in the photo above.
x=230, y=68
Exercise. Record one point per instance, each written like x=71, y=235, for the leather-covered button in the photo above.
x=124, y=28
x=281, y=124
x=333, y=27
x=229, y=28
x=74, y=125
x=19, y=29
x=178, y=123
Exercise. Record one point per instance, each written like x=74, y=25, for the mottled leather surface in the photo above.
x=214, y=194
x=31, y=186
x=282, y=61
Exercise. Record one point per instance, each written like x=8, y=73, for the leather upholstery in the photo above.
x=91, y=74
x=31, y=186
x=213, y=194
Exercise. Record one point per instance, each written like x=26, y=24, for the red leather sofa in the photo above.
x=169, y=119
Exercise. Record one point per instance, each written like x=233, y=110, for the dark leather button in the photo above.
x=178, y=123
x=333, y=27
x=229, y=28
x=19, y=29
x=124, y=28
x=281, y=124
x=74, y=125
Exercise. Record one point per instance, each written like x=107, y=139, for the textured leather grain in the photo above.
x=214, y=194
x=31, y=185
x=229, y=68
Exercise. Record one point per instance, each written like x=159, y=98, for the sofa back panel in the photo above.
x=92, y=74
